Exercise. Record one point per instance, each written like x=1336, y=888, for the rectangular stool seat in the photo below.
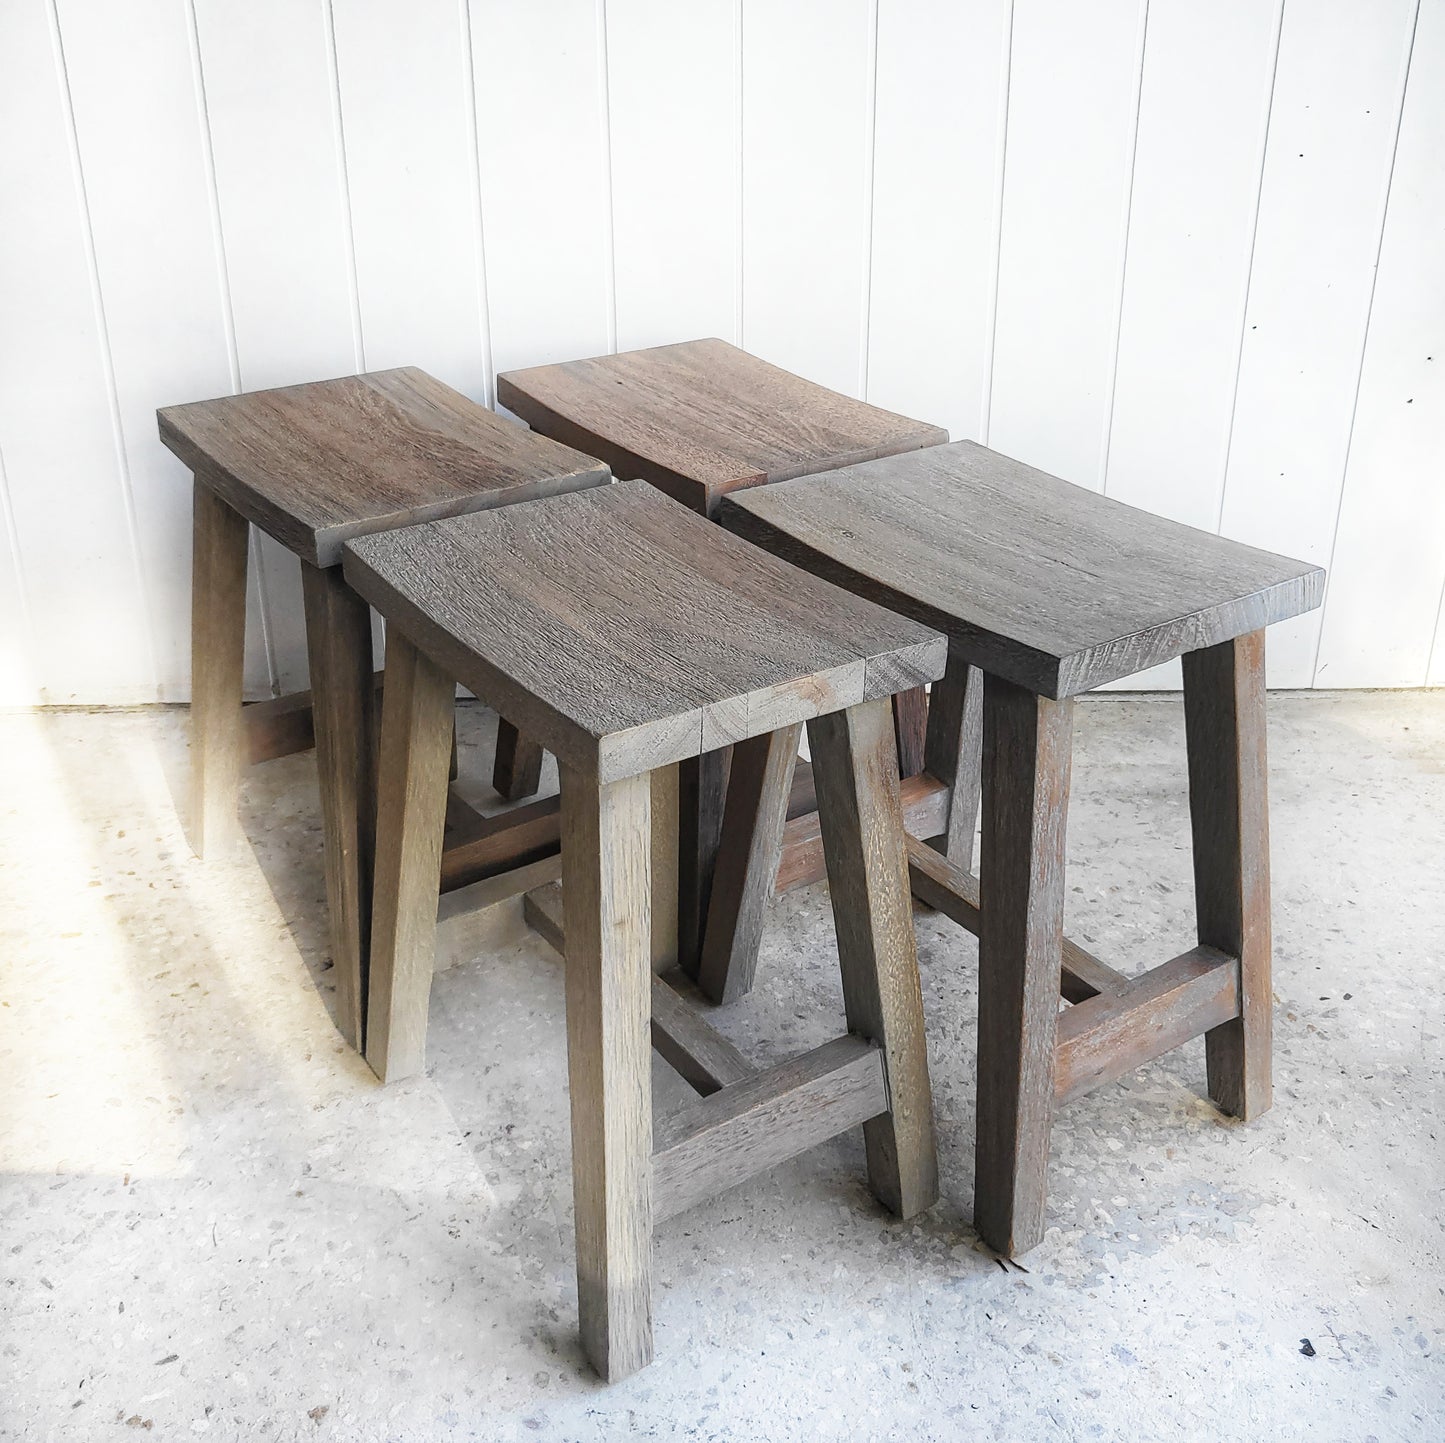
x=1041, y=582
x=625, y=632
x=316, y=464
x=703, y=418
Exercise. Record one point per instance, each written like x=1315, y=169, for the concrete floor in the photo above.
x=216, y=1222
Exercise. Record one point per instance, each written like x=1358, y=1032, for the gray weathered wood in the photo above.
x=665, y=837
x=759, y=790
x=953, y=752
x=925, y=810
x=700, y=1054
x=1049, y=585
x=855, y=769
x=498, y=844
x=1027, y=745
x=954, y=892
x=338, y=647
x=316, y=464
x=1106, y=1036
x=703, y=418
x=606, y=887
x=517, y=763
x=702, y=793
x=282, y=726
x=716, y=1142
x=623, y=632
x=1224, y=713
x=218, y=640
x=416, y=732
x=910, y=729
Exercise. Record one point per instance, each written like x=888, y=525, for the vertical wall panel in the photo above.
x=1203, y=109
x=1073, y=88
x=807, y=145
x=142, y=150
x=1389, y=558
x=938, y=155
x=406, y=122
x=19, y=679
x=90, y=632
x=1331, y=136
x=1436, y=675
x=673, y=90
x=541, y=116
x=1062, y=228
x=271, y=101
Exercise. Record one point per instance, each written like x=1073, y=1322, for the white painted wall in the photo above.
x=1189, y=252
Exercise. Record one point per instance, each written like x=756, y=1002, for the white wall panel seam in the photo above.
x=12, y=540
x=986, y=400
x=870, y=161
x=1124, y=251
x=107, y=362
x=228, y=322
x=1364, y=346
x=610, y=231
x=338, y=123
x=738, y=170
x=484, y=320
x=1249, y=267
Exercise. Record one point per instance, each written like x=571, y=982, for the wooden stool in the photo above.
x=628, y=635
x=700, y=420
x=1051, y=590
x=312, y=466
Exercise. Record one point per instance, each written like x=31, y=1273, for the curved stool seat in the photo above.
x=701, y=420
x=1046, y=590
x=629, y=635
x=312, y=466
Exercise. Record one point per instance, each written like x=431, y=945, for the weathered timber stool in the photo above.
x=313, y=465
x=699, y=420
x=629, y=635
x=1051, y=590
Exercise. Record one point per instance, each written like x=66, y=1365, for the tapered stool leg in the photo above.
x=1027, y=746
x=953, y=753
x=1224, y=712
x=416, y=731
x=218, y=643
x=855, y=766
x=606, y=890
x=756, y=812
x=910, y=728
x=338, y=646
x=517, y=764
x=702, y=798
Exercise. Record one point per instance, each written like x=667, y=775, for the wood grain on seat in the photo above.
x=1044, y=583
x=703, y=418
x=625, y=632
x=316, y=464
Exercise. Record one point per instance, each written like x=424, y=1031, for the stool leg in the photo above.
x=954, y=754
x=416, y=732
x=1224, y=714
x=1027, y=741
x=517, y=765
x=338, y=646
x=218, y=642
x=752, y=840
x=702, y=794
x=910, y=726
x=606, y=900
x=855, y=765
x=664, y=867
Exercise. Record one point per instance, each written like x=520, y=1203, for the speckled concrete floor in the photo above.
x=215, y=1222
